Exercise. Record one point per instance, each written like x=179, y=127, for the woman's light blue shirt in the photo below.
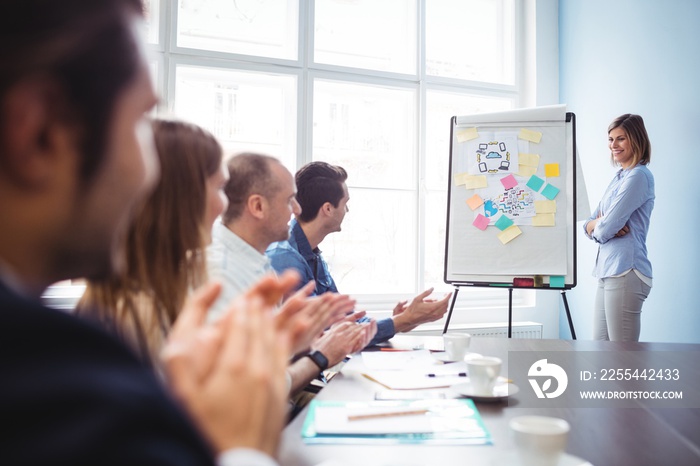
x=629, y=201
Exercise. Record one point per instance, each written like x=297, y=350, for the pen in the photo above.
x=359, y=417
x=457, y=374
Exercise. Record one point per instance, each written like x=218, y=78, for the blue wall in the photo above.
x=640, y=56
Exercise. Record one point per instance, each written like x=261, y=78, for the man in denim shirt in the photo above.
x=323, y=197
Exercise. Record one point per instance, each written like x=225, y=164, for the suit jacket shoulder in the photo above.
x=72, y=394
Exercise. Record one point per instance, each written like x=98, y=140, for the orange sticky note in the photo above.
x=475, y=201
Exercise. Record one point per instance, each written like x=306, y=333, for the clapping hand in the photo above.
x=316, y=313
x=230, y=376
x=420, y=311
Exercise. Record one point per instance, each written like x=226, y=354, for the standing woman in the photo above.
x=165, y=242
x=619, y=225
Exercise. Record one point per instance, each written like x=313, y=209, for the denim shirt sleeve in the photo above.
x=633, y=191
x=385, y=331
x=283, y=257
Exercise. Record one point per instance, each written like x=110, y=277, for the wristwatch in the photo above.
x=318, y=358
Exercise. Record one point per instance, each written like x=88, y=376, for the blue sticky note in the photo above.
x=503, y=222
x=535, y=183
x=550, y=192
x=556, y=281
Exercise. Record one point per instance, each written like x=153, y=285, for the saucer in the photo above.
x=501, y=390
x=566, y=459
x=442, y=356
x=571, y=460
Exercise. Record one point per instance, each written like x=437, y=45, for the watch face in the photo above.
x=320, y=360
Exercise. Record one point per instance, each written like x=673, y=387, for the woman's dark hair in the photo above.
x=86, y=47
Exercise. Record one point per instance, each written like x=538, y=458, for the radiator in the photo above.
x=491, y=329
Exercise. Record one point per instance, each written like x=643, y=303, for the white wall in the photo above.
x=640, y=56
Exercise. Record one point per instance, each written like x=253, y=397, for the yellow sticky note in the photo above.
x=543, y=220
x=475, y=182
x=551, y=169
x=509, y=234
x=475, y=201
x=545, y=207
x=464, y=135
x=528, y=135
x=531, y=160
x=461, y=178
x=526, y=171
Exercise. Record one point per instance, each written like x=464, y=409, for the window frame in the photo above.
x=167, y=56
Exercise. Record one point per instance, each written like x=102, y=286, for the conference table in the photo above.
x=640, y=433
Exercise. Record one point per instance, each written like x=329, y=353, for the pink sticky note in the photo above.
x=481, y=222
x=509, y=182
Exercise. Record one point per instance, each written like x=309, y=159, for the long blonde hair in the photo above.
x=165, y=244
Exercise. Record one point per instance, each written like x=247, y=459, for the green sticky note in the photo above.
x=556, y=281
x=503, y=222
x=550, y=192
x=535, y=183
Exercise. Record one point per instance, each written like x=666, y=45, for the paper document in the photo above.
x=397, y=360
x=442, y=375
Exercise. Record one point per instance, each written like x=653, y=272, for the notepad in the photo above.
x=437, y=421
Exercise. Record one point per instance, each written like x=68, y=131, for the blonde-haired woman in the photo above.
x=620, y=225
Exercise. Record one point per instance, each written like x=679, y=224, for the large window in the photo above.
x=367, y=84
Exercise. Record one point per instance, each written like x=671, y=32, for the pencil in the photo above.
x=359, y=417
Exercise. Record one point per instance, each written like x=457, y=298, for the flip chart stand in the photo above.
x=510, y=312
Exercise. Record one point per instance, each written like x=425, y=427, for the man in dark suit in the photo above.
x=75, y=157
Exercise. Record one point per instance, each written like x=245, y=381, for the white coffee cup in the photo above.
x=540, y=440
x=456, y=345
x=483, y=373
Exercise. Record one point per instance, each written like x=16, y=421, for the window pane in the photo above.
x=376, y=250
x=435, y=221
x=441, y=107
x=371, y=34
x=368, y=130
x=471, y=39
x=249, y=27
x=246, y=111
x=154, y=67
x=152, y=14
